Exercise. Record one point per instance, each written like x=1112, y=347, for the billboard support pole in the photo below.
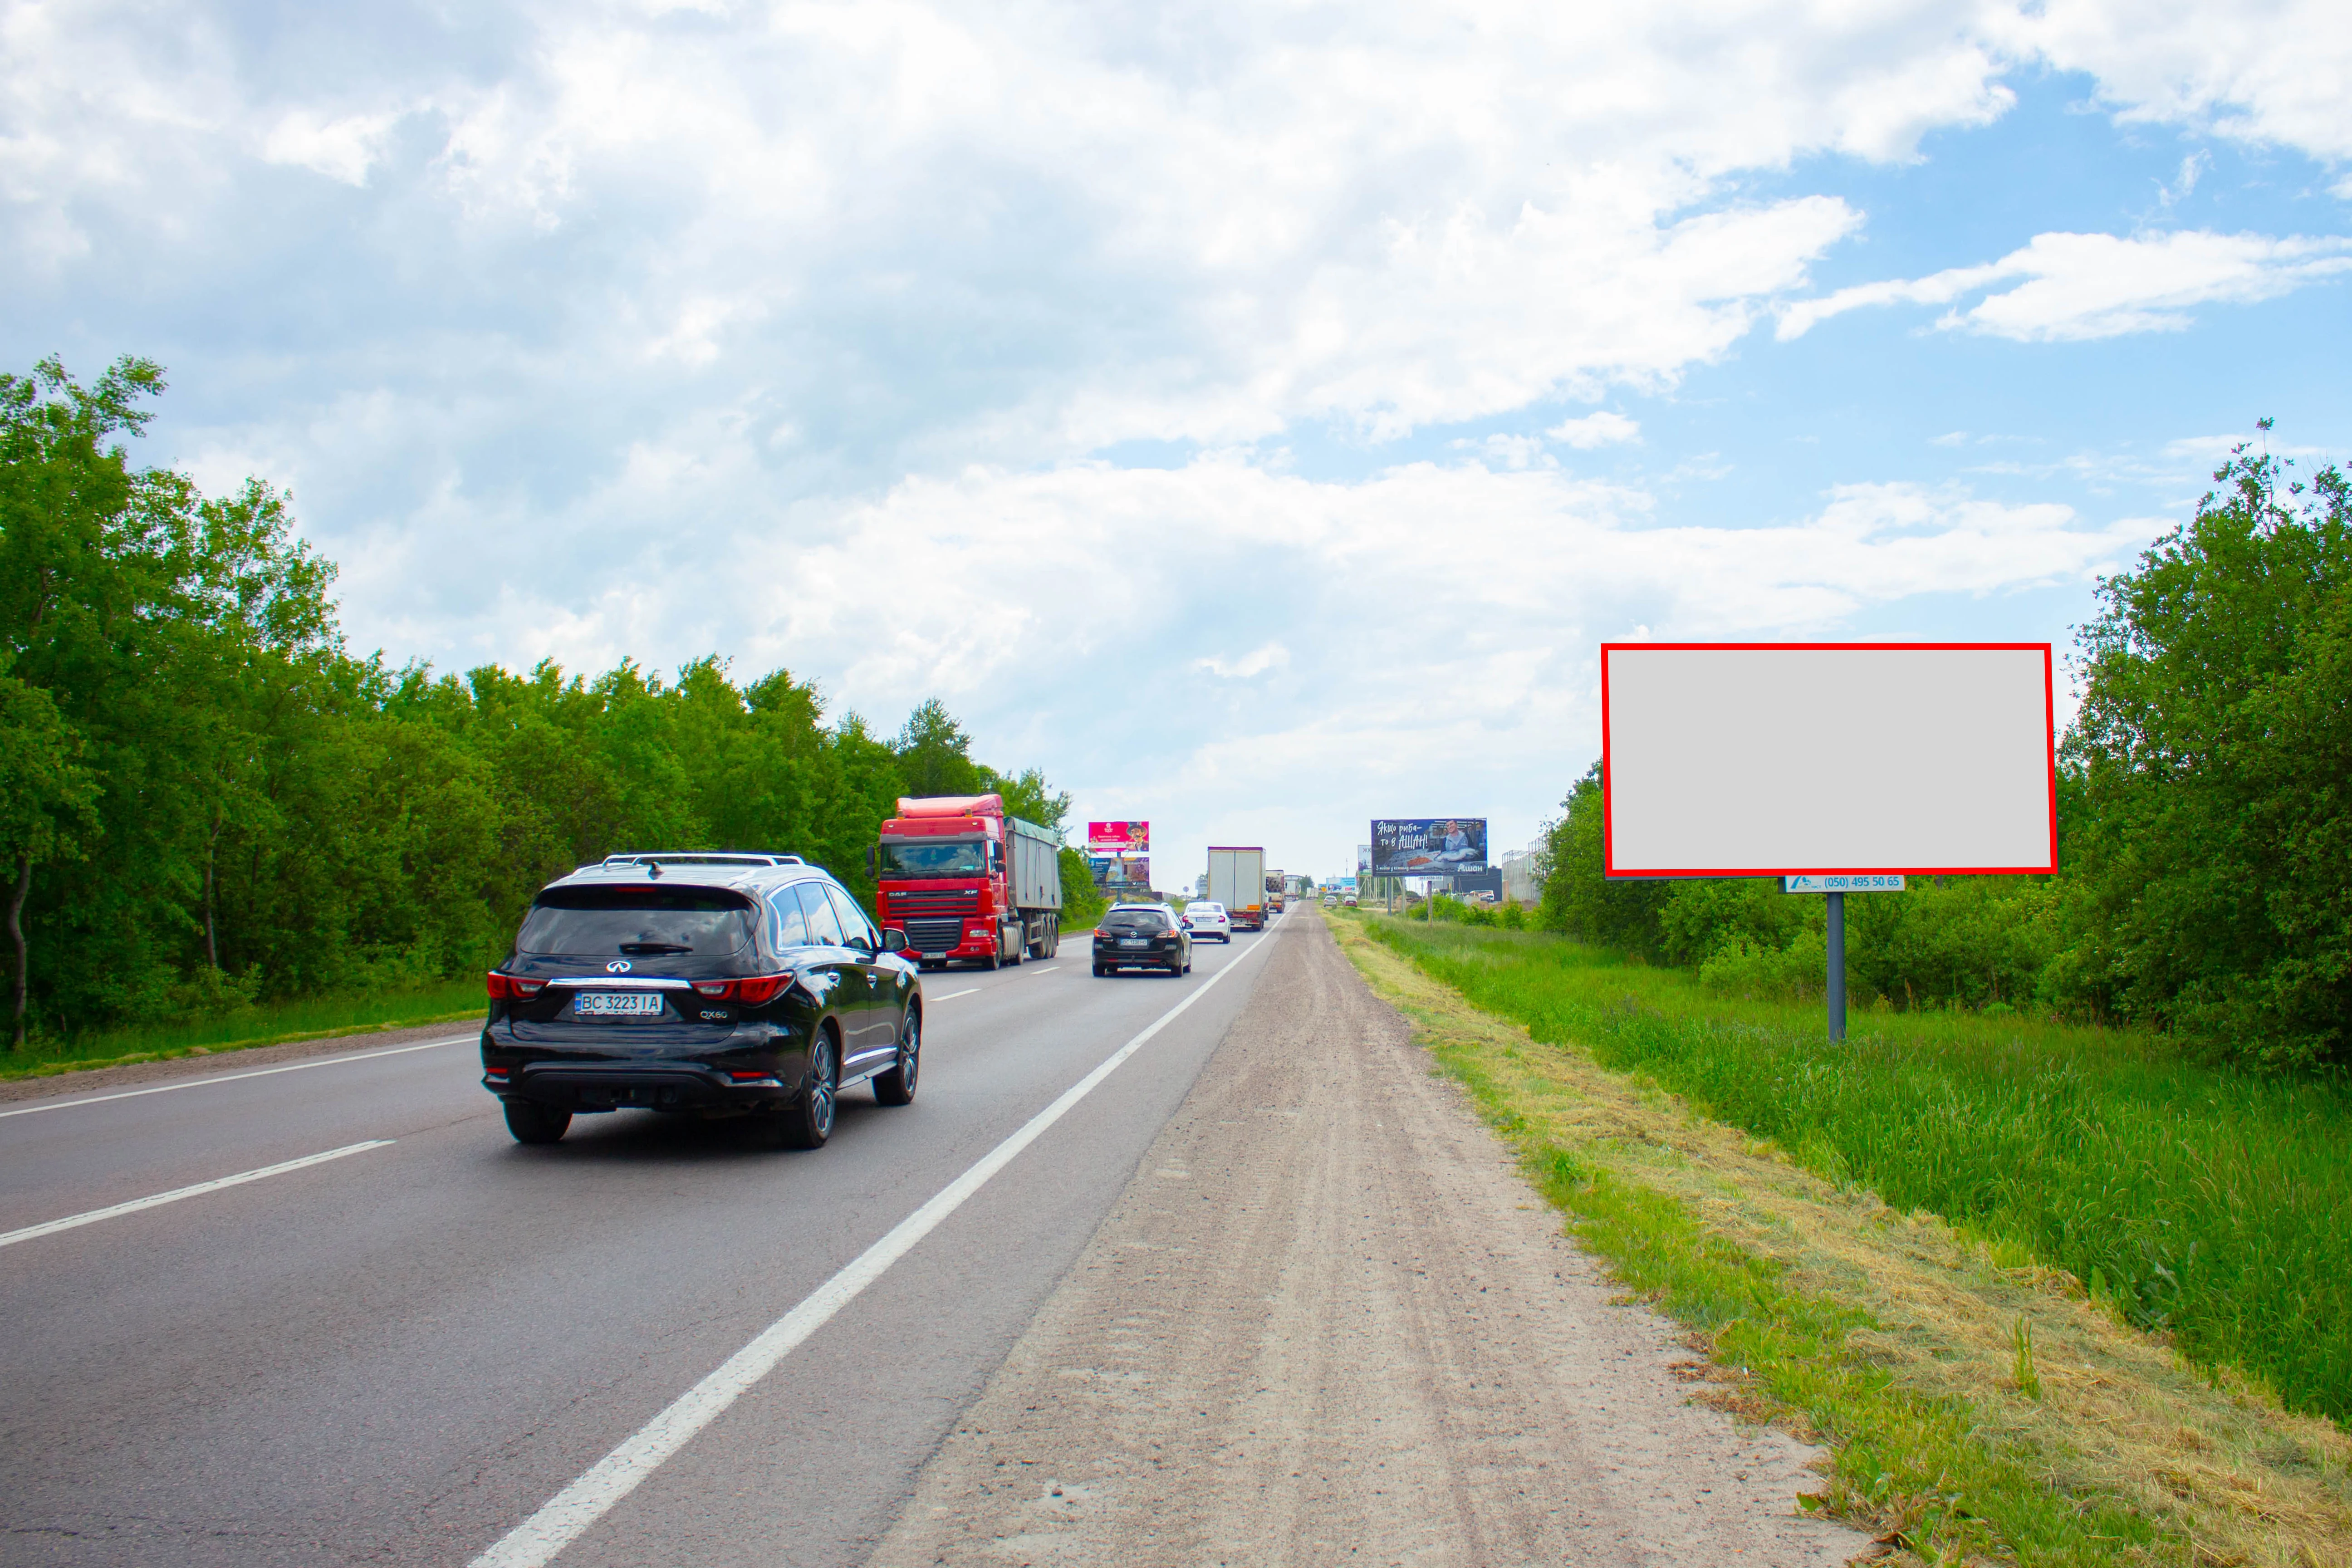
x=1837, y=966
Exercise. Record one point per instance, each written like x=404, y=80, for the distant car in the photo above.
x=750, y=987
x=1142, y=936
x=1350, y=900
x=1205, y=920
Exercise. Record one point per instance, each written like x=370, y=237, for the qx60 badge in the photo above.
x=618, y=966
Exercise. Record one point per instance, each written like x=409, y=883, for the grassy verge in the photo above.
x=1978, y=1405
x=312, y=1018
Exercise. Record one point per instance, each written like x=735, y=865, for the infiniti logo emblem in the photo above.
x=618, y=966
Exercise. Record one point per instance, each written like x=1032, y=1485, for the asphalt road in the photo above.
x=400, y=1353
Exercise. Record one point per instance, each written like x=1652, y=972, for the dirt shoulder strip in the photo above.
x=1330, y=1319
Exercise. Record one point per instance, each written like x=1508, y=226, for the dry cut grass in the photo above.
x=1982, y=1410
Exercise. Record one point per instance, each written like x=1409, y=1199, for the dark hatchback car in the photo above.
x=1142, y=936
x=716, y=985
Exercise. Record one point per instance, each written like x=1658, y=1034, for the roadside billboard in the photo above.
x=1814, y=759
x=1118, y=875
x=1133, y=838
x=1428, y=846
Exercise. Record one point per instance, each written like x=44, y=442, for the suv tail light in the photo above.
x=507, y=988
x=752, y=991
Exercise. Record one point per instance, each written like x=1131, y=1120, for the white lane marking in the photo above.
x=953, y=994
x=560, y=1521
x=233, y=1076
x=1047, y=970
x=11, y=1238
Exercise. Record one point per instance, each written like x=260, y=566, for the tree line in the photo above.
x=206, y=799
x=2204, y=808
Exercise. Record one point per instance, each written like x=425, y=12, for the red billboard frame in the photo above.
x=1609, y=867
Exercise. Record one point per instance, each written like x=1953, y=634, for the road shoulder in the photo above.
x=205, y=1063
x=1329, y=1318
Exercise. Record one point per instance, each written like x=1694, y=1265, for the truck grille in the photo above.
x=942, y=901
x=933, y=936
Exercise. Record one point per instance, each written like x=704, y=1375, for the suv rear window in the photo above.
x=653, y=923
x=1135, y=920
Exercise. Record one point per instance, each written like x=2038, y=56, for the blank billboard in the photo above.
x=1789, y=758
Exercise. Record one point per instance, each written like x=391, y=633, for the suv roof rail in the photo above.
x=702, y=857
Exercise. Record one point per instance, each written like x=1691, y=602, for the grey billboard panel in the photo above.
x=1428, y=846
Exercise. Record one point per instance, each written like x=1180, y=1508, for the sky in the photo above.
x=1255, y=415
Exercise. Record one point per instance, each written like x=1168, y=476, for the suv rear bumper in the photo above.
x=586, y=1088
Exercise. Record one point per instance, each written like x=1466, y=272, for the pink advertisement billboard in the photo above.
x=1133, y=838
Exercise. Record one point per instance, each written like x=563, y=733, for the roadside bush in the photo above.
x=1753, y=972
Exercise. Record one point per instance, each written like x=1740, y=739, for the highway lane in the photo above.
x=398, y=1354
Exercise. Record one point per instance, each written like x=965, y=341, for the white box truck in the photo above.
x=1237, y=880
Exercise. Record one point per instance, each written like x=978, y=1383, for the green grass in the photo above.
x=271, y=1024
x=2210, y=1204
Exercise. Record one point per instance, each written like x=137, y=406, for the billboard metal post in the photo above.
x=1837, y=966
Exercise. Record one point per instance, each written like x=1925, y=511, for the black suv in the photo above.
x=1142, y=936
x=742, y=985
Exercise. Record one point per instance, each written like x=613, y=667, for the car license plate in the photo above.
x=1134, y=941
x=617, y=1005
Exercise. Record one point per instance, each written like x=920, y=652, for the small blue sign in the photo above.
x=1842, y=884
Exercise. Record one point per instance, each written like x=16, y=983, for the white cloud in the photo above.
x=1602, y=429
x=1508, y=451
x=2184, y=185
x=2079, y=286
x=2268, y=72
x=343, y=149
x=1205, y=228
x=1256, y=662
x=1454, y=614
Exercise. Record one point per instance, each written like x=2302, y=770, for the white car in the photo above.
x=1205, y=920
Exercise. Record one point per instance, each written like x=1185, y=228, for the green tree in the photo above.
x=1029, y=797
x=1578, y=898
x=2211, y=754
x=44, y=809
x=935, y=755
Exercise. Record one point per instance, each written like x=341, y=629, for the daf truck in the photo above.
x=966, y=882
x=1237, y=880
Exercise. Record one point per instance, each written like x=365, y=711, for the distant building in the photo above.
x=1520, y=883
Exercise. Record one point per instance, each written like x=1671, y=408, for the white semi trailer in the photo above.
x=1237, y=880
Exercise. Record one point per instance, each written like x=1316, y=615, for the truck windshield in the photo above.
x=934, y=858
x=647, y=922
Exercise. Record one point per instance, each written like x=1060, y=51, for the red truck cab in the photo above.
x=967, y=882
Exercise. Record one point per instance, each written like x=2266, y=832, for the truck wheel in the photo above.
x=533, y=1124
x=1053, y=935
